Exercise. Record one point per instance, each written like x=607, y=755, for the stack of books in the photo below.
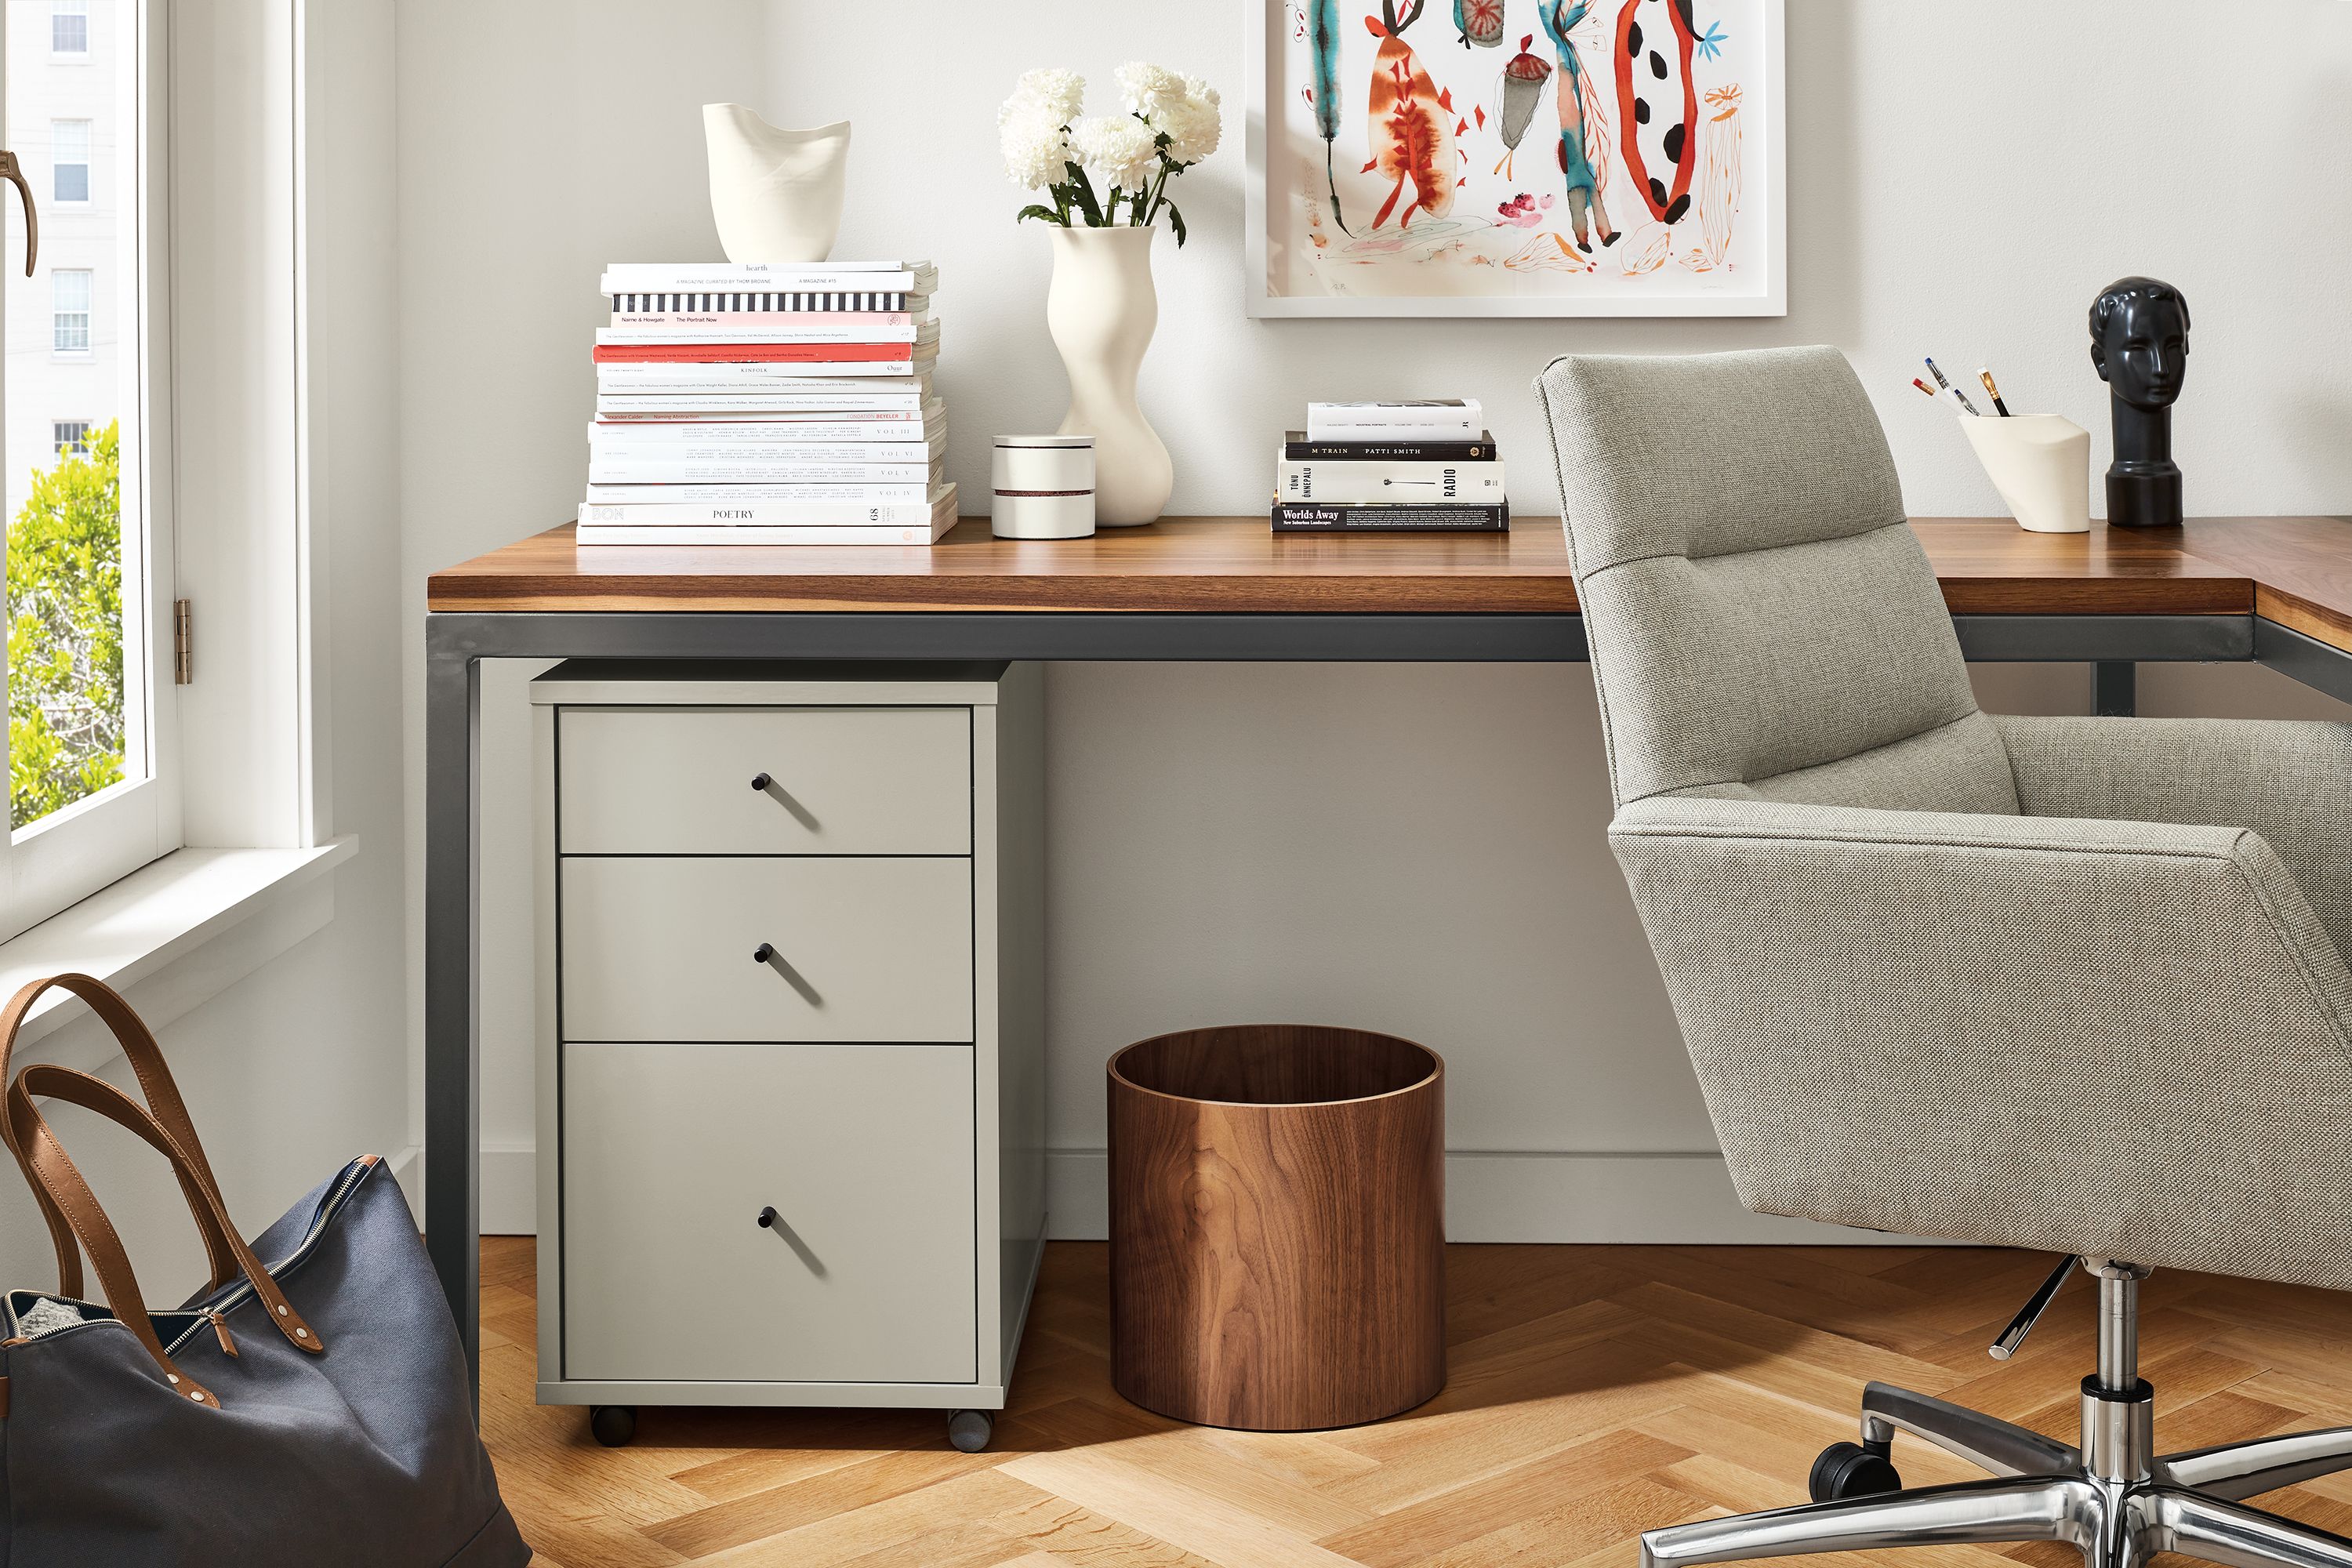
x=767, y=403
x=1388, y=467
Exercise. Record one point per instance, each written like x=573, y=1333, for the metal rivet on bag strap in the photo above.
x=301, y=1333
x=173, y=1376
x=281, y=1311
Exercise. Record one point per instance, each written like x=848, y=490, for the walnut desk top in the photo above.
x=2298, y=570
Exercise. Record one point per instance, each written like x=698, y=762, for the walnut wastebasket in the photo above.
x=1277, y=1225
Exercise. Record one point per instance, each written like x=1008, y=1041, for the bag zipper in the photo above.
x=216, y=1307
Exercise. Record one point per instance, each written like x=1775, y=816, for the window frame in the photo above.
x=79, y=442
x=69, y=854
x=58, y=314
x=58, y=164
x=58, y=11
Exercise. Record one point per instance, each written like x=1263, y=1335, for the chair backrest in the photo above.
x=1763, y=622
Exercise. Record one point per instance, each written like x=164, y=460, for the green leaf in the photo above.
x=1176, y=222
x=1083, y=191
x=1038, y=210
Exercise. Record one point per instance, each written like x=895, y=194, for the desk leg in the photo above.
x=2114, y=690
x=453, y=1213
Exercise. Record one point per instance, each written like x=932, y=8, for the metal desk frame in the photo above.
x=456, y=641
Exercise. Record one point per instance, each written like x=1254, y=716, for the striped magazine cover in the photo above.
x=767, y=301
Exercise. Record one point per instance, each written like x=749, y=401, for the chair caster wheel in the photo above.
x=1849, y=1470
x=613, y=1424
x=968, y=1430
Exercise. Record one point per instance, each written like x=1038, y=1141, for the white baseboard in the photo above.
x=1526, y=1196
x=510, y=1187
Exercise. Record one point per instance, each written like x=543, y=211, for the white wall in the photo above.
x=1411, y=849
x=301, y=1064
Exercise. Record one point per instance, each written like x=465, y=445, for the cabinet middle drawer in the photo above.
x=774, y=781
x=766, y=948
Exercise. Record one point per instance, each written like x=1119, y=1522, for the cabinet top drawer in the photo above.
x=764, y=781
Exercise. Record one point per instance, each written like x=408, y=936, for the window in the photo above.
x=92, y=724
x=70, y=160
x=69, y=26
x=69, y=310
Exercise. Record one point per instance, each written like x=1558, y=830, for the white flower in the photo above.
x=1143, y=87
x=1055, y=95
x=1117, y=149
x=1192, y=121
x=1036, y=148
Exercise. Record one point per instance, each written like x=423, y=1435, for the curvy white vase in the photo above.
x=776, y=194
x=1101, y=310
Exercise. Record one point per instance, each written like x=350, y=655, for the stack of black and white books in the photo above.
x=759, y=404
x=1391, y=468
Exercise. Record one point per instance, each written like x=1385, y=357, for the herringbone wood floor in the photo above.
x=1594, y=1392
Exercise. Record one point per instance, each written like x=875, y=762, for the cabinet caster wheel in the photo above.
x=1849, y=1470
x=613, y=1424
x=968, y=1430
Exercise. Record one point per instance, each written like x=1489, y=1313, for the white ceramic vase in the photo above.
x=1101, y=310
x=776, y=194
x=2041, y=464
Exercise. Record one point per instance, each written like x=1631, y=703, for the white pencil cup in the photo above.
x=2041, y=464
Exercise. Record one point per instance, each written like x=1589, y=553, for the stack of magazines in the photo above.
x=1391, y=468
x=765, y=404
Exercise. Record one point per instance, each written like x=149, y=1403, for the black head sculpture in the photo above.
x=2139, y=342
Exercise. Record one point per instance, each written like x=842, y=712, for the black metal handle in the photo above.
x=767, y=1218
x=763, y=952
x=760, y=782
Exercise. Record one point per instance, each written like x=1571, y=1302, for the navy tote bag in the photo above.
x=313, y=1409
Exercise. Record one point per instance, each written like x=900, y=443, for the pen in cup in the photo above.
x=1957, y=396
x=1992, y=392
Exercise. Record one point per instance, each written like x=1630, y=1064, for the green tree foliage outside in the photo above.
x=65, y=632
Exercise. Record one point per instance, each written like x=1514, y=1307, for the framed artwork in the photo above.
x=1517, y=158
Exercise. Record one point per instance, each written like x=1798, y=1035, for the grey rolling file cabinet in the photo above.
x=790, y=1023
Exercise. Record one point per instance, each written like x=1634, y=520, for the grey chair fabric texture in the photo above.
x=2069, y=983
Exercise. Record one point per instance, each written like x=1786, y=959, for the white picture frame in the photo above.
x=1470, y=266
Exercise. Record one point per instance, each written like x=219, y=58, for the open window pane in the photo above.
x=69, y=421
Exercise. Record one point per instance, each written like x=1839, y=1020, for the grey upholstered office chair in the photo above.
x=2068, y=983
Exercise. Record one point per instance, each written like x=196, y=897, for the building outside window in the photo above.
x=69, y=436
x=69, y=310
x=69, y=159
x=69, y=26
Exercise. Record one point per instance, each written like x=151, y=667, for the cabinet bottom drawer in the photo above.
x=860, y=1157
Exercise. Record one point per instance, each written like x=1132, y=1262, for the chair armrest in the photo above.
x=2289, y=780
x=2084, y=1036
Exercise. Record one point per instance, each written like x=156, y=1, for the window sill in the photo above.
x=171, y=936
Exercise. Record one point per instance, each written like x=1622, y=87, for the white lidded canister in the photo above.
x=1044, y=487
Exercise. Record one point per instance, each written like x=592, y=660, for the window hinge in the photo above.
x=183, y=645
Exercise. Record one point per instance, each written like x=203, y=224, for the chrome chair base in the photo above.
x=2113, y=1498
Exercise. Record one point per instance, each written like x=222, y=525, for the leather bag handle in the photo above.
x=146, y=1057
x=54, y=1172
